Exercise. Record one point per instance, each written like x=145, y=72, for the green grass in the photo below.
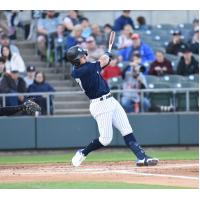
x=100, y=156
x=82, y=185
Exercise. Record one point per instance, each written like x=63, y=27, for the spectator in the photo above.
x=2, y=67
x=142, y=23
x=194, y=43
x=112, y=70
x=124, y=39
x=59, y=44
x=98, y=35
x=94, y=52
x=12, y=60
x=30, y=75
x=131, y=100
x=144, y=50
x=174, y=47
x=5, y=41
x=40, y=85
x=135, y=63
x=75, y=38
x=195, y=27
x=3, y=23
x=123, y=20
x=71, y=20
x=187, y=64
x=45, y=28
x=161, y=65
x=13, y=83
x=85, y=24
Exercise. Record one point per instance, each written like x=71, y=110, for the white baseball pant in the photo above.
x=109, y=112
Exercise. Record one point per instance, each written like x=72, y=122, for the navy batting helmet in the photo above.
x=74, y=54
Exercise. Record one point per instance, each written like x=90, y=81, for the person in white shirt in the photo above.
x=12, y=60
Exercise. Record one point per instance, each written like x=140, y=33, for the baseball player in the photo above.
x=28, y=107
x=105, y=109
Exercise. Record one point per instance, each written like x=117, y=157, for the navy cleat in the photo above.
x=147, y=161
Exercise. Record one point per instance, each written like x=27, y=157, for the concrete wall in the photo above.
x=67, y=132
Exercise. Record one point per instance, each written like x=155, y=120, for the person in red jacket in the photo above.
x=161, y=65
x=112, y=70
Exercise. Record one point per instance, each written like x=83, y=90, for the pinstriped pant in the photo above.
x=107, y=113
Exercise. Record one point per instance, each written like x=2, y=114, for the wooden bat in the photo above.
x=111, y=40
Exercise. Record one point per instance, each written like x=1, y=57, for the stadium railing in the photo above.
x=142, y=92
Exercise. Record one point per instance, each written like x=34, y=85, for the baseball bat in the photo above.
x=111, y=40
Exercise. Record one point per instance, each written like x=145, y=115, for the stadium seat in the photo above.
x=173, y=79
x=152, y=79
x=115, y=83
x=193, y=78
x=164, y=26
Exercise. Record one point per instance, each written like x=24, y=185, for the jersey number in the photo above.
x=78, y=80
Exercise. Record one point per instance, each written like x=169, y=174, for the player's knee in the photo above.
x=105, y=141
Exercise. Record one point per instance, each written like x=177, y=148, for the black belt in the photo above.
x=107, y=97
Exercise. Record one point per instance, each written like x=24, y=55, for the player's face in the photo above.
x=83, y=59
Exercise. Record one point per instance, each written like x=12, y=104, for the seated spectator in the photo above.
x=46, y=27
x=192, y=32
x=98, y=35
x=59, y=44
x=3, y=23
x=194, y=43
x=2, y=67
x=174, y=47
x=187, y=64
x=75, y=38
x=5, y=41
x=124, y=39
x=13, y=83
x=131, y=100
x=30, y=75
x=161, y=65
x=12, y=60
x=94, y=52
x=135, y=63
x=112, y=70
x=123, y=20
x=71, y=20
x=85, y=24
x=40, y=85
x=142, y=23
x=144, y=50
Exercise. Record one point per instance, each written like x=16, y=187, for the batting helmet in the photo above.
x=74, y=54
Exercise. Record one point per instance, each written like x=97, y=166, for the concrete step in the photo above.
x=65, y=88
x=70, y=105
x=64, y=83
x=71, y=111
x=71, y=97
x=27, y=51
x=25, y=44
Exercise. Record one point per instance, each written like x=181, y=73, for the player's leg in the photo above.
x=120, y=121
x=104, y=122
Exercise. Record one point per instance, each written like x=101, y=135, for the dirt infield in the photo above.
x=169, y=173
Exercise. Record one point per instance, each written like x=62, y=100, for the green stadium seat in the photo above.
x=173, y=78
x=193, y=78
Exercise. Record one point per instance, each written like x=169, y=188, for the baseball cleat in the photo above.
x=147, y=161
x=78, y=158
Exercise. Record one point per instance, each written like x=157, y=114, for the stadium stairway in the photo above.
x=73, y=104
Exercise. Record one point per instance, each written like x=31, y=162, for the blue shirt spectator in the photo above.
x=123, y=20
x=40, y=85
x=75, y=38
x=145, y=51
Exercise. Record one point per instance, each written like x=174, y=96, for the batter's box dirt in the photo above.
x=170, y=173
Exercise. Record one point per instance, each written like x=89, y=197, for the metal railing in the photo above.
x=142, y=92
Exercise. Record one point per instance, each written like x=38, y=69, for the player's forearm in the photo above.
x=105, y=59
x=10, y=110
